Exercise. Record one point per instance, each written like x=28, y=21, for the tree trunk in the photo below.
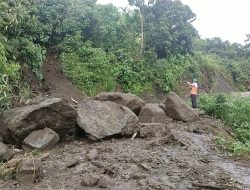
x=142, y=34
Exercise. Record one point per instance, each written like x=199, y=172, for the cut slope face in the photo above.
x=57, y=84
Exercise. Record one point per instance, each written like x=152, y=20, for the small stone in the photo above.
x=144, y=166
x=142, y=182
x=92, y=155
x=104, y=182
x=139, y=176
x=72, y=163
x=45, y=156
x=12, y=153
x=197, y=130
x=27, y=170
x=89, y=180
x=3, y=150
x=14, y=162
x=124, y=186
x=44, y=139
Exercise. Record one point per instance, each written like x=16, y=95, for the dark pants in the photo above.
x=193, y=98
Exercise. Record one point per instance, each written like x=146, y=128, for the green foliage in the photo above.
x=168, y=71
x=25, y=51
x=233, y=58
x=239, y=148
x=234, y=111
x=60, y=18
x=102, y=47
x=88, y=67
x=9, y=79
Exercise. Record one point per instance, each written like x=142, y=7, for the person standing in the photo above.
x=194, y=91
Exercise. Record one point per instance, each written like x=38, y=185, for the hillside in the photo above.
x=87, y=102
x=147, y=49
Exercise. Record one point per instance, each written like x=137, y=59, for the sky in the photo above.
x=227, y=19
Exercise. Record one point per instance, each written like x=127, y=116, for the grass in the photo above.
x=233, y=111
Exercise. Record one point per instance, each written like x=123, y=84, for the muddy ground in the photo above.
x=154, y=163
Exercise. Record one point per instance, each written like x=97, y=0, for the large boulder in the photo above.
x=44, y=139
x=177, y=109
x=152, y=113
x=131, y=101
x=54, y=113
x=154, y=130
x=102, y=119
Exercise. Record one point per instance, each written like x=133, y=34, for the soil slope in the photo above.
x=57, y=84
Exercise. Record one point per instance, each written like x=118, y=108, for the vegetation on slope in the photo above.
x=102, y=47
x=234, y=111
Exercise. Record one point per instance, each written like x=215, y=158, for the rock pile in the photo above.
x=40, y=126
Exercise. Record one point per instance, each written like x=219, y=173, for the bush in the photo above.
x=25, y=51
x=234, y=111
x=10, y=80
x=89, y=69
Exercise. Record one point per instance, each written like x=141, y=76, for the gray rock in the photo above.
x=72, y=163
x=124, y=186
x=12, y=153
x=89, y=180
x=54, y=113
x=92, y=155
x=27, y=170
x=3, y=150
x=105, y=181
x=102, y=119
x=44, y=139
x=154, y=130
x=177, y=109
x=131, y=101
x=152, y=113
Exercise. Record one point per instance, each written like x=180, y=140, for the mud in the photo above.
x=56, y=84
x=149, y=164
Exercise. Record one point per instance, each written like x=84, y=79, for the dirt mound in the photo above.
x=56, y=83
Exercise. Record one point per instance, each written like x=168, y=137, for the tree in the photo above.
x=61, y=18
x=140, y=4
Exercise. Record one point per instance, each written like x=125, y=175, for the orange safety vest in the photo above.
x=194, y=89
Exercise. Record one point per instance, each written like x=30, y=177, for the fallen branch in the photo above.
x=76, y=102
x=134, y=135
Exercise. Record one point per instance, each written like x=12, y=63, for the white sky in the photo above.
x=227, y=19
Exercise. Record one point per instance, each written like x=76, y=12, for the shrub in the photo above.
x=25, y=51
x=12, y=88
x=234, y=111
x=8, y=78
x=89, y=69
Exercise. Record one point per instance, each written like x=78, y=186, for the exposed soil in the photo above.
x=56, y=83
x=152, y=163
x=222, y=85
